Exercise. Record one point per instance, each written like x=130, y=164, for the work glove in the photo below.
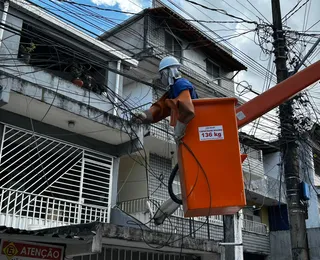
x=179, y=132
x=142, y=117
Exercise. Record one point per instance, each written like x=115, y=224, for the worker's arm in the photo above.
x=184, y=112
x=159, y=110
x=185, y=107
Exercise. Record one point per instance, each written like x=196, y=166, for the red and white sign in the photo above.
x=207, y=133
x=12, y=250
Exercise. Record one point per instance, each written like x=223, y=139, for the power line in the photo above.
x=288, y=17
x=222, y=11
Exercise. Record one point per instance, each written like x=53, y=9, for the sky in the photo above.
x=245, y=45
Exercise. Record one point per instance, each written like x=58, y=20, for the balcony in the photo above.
x=255, y=234
x=265, y=191
x=255, y=227
x=41, y=78
x=45, y=182
x=253, y=166
x=28, y=211
x=133, y=207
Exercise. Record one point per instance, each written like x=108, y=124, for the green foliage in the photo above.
x=28, y=48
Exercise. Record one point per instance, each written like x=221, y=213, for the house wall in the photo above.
x=129, y=38
x=272, y=168
x=131, y=41
x=137, y=94
x=281, y=244
x=265, y=215
x=308, y=175
x=255, y=243
x=314, y=243
x=48, y=79
x=132, y=182
x=160, y=169
x=193, y=59
x=10, y=41
x=271, y=164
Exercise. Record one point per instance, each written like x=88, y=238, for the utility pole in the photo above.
x=289, y=147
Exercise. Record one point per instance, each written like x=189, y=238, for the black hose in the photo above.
x=171, y=178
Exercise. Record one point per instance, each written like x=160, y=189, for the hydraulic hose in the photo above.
x=170, y=189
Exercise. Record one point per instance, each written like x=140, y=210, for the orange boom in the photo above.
x=209, y=158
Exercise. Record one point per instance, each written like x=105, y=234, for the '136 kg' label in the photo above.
x=211, y=133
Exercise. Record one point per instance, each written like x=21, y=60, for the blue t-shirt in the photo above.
x=180, y=85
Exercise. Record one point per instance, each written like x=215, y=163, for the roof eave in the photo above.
x=122, y=25
x=237, y=65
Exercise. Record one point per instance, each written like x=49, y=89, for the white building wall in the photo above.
x=10, y=47
x=138, y=94
x=132, y=182
x=193, y=58
x=308, y=175
x=130, y=38
x=271, y=164
x=10, y=41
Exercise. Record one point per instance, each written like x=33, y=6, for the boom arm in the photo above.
x=277, y=95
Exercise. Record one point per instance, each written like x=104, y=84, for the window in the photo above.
x=213, y=71
x=173, y=46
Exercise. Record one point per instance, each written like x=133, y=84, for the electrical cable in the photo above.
x=170, y=183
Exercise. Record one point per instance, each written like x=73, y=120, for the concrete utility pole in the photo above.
x=232, y=227
x=289, y=147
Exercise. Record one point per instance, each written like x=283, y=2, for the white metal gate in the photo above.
x=122, y=253
x=46, y=182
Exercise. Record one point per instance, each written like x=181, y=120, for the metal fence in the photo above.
x=201, y=227
x=120, y=253
x=255, y=227
x=39, y=175
x=30, y=211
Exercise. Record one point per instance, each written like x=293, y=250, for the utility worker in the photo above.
x=176, y=102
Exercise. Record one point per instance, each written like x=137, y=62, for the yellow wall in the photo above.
x=264, y=216
x=263, y=212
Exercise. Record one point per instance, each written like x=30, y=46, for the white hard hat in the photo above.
x=168, y=62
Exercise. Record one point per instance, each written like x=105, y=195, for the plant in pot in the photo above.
x=26, y=50
x=76, y=71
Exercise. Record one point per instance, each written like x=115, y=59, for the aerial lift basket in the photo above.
x=210, y=162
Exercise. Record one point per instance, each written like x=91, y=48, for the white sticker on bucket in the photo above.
x=241, y=115
x=207, y=133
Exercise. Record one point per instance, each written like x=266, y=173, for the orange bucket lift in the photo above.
x=209, y=157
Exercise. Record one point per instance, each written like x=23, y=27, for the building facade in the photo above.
x=65, y=136
x=150, y=36
x=75, y=170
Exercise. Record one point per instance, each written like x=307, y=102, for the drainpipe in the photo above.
x=117, y=87
x=4, y=19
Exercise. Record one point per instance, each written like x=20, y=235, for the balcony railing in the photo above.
x=28, y=211
x=46, y=182
x=141, y=205
x=255, y=227
x=134, y=206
